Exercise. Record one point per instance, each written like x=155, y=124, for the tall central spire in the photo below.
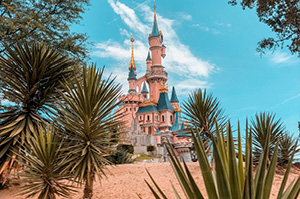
x=132, y=63
x=155, y=31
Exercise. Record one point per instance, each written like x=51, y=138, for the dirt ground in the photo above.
x=127, y=181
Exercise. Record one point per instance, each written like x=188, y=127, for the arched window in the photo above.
x=171, y=118
x=162, y=118
x=148, y=117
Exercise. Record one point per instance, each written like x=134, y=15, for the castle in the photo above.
x=150, y=116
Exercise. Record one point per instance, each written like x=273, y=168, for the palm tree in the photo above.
x=261, y=125
x=202, y=109
x=87, y=118
x=41, y=155
x=30, y=80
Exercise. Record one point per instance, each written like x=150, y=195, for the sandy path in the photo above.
x=128, y=180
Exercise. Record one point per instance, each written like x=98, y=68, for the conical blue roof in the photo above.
x=174, y=96
x=164, y=102
x=155, y=31
x=145, y=90
x=158, y=132
x=149, y=56
x=183, y=133
x=178, y=122
x=131, y=74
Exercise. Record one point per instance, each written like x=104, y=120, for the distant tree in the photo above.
x=283, y=17
x=43, y=20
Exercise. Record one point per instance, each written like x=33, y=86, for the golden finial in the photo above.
x=163, y=88
x=132, y=63
x=177, y=109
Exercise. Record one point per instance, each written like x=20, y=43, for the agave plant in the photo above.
x=229, y=178
x=260, y=125
x=201, y=109
x=30, y=80
x=42, y=158
x=287, y=144
x=86, y=116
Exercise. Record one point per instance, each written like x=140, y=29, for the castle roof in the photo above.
x=158, y=132
x=155, y=31
x=177, y=124
x=132, y=62
x=183, y=133
x=164, y=102
x=144, y=109
x=174, y=96
x=144, y=89
x=131, y=74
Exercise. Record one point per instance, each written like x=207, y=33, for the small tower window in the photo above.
x=171, y=118
x=126, y=109
x=156, y=117
x=148, y=117
x=130, y=109
x=141, y=117
x=162, y=118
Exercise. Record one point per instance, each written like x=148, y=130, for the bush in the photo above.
x=125, y=147
x=120, y=157
x=150, y=148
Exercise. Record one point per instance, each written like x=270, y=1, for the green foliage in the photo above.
x=125, y=147
x=262, y=123
x=86, y=115
x=150, y=148
x=228, y=178
x=144, y=157
x=46, y=21
x=30, y=77
x=201, y=110
x=287, y=144
x=120, y=157
x=41, y=157
x=281, y=16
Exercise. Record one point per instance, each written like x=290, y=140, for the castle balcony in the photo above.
x=156, y=74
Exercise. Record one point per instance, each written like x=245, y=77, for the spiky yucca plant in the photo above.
x=201, y=109
x=260, y=125
x=287, y=144
x=30, y=79
x=41, y=157
x=229, y=178
x=87, y=118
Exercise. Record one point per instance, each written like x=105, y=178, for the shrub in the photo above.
x=125, y=147
x=150, y=148
x=120, y=157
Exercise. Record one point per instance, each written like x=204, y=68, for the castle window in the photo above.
x=171, y=118
x=134, y=109
x=130, y=109
x=141, y=118
x=148, y=117
x=126, y=109
x=156, y=117
x=149, y=130
x=162, y=118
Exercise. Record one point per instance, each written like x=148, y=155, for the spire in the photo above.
x=149, y=56
x=178, y=122
x=174, y=96
x=131, y=74
x=132, y=63
x=144, y=90
x=155, y=31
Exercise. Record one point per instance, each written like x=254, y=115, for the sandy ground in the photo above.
x=126, y=181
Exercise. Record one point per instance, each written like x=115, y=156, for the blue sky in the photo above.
x=210, y=44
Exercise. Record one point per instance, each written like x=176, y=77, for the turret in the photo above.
x=148, y=61
x=132, y=70
x=144, y=90
x=174, y=100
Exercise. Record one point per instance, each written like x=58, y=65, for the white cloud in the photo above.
x=184, y=87
x=180, y=59
x=282, y=58
x=186, y=17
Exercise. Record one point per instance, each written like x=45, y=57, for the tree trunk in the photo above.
x=88, y=189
